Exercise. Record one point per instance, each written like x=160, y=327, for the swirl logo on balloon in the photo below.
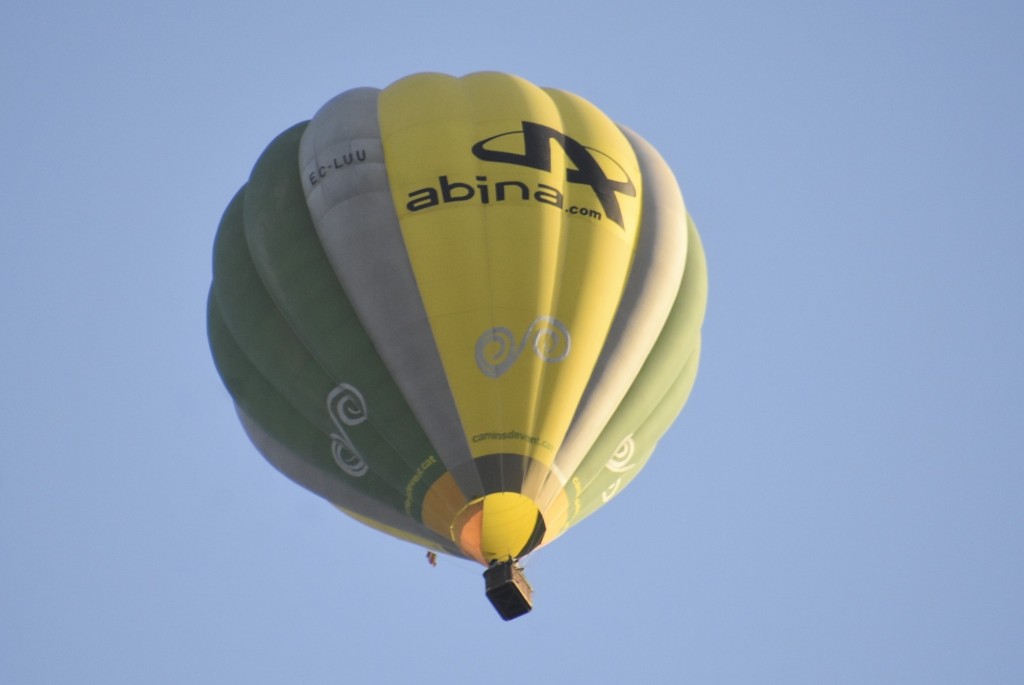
x=620, y=462
x=585, y=168
x=497, y=348
x=347, y=408
x=623, y=455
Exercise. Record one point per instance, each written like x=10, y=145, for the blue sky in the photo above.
x=839, y=502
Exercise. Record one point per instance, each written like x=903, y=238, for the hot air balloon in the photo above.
x=462, y=310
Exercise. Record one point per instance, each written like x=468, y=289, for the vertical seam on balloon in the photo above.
x=469, y=93
x=385, y=476
x=681, y=319
x=229, y=329
x=547, y=309
x=458, y=469
x=385, y=192
x=643, y=423
x=645, y=225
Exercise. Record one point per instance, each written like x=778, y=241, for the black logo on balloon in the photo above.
x=537, y=145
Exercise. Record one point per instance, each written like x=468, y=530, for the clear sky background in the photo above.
x=840, y=502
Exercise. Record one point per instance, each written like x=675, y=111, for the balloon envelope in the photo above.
x=463, y=310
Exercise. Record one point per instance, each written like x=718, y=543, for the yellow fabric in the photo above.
x=487, y=258
x=508, y=522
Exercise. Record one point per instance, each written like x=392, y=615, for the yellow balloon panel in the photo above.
x=519, y=208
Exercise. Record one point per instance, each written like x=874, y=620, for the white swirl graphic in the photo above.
x=610, y=491
x=346, y=407
x=497, y=351
x=624, y=453
x=347, y=457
